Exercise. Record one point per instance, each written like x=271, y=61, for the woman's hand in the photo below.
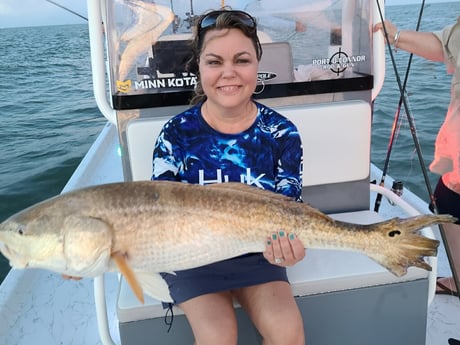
x=391, y=30
x=284, y=249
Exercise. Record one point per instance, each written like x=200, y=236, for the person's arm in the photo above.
x=284, y=248
x=423, y=44
x=289, y=168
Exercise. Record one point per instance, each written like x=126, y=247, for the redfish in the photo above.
x=143, y=228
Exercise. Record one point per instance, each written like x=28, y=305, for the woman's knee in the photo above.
x=287, y=330
x=212, y=318
x=274, y=312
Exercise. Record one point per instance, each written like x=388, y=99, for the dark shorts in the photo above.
x=242, y=271
x=447, y=201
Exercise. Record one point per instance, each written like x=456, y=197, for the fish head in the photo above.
x=67, y=243
x=29, y=244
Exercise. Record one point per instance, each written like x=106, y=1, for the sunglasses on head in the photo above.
x=209, y=20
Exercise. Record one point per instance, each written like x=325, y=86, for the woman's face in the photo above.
x=228, y=68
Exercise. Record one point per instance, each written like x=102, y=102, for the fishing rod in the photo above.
x=176, y=21
x=378, y=199
x=411, y=122
x=67, y=9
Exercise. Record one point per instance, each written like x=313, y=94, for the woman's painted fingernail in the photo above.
x=292, y=236
x=281, y=233
x=269, y=243
x=274, y=237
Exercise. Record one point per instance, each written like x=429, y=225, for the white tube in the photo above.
x=378, y=50
x=101, y=311
x=96, y=39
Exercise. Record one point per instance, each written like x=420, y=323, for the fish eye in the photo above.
x=21, y=230
x=394, y=233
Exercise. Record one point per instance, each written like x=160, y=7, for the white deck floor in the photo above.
x=444, y=312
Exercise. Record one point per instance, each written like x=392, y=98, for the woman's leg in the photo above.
x=212, y=318
x=447, y=201
x=452, y=235
x=274, y=312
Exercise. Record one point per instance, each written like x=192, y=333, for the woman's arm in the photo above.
x=423, y=44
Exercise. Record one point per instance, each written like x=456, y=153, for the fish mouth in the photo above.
x=13, y=256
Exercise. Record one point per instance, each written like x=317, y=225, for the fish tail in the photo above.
x=402, y=246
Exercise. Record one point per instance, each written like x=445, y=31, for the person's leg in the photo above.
x=447, y=201
x=452, y=234
x=274, y=312
x=212, y=318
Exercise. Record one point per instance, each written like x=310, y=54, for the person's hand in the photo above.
x=284, y=249
x=391, y=30
x=300, y=27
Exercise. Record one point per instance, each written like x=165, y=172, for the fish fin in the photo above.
x=405, y=247
x=123, y=267
x=155, y=286
x=87, y=245
x=231, y=187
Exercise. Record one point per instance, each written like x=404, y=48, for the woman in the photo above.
x=227, y=136
x=441, y=46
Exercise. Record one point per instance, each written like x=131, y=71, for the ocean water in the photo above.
x=49, y=117
x=428, y=95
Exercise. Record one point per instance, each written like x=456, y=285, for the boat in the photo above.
x=345, y=298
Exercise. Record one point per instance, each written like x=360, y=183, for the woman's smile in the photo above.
x=229, y=88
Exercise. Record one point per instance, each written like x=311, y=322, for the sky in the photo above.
x=19, y=13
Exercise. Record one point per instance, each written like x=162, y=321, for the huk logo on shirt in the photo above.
x=220, y=178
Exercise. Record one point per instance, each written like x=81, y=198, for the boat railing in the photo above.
x=98, y=59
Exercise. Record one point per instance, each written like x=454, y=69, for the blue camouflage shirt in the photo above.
x=267, y=155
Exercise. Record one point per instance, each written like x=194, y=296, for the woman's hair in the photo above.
x=223, y=19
